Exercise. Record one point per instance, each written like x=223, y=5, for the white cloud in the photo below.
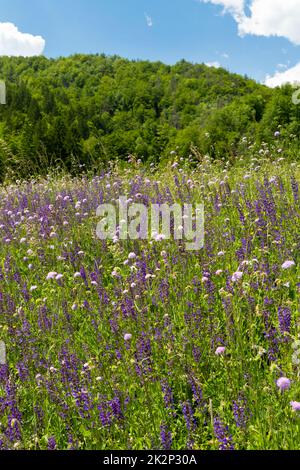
x=234, y=6
x=265, y=17
x=291, y=75
x=273, y=18
x=149, y=20
x=15, y=43
x=215, y=64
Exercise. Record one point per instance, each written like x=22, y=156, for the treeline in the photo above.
x=87, y=110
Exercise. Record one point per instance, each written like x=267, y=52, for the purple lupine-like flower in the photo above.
x=143, y=355
x=14, y=416
x=13, y=430
x=39, y=415
x=240, y=412
x=73, y=443
x=270, y=333
x=196, y=353
x=25, y=292
x=83, y=275
x=165, y=437
x=168, y=395
x=295, y=189
x=116, y=408
x=197, y=392
x=284, y=318
x=188, y=414
x=45, y=322
x=105, y=414
x=23, y=371
x=51, y=443
x=83, y=402
x=3, y=373
x=222, y=435
x=210, y=288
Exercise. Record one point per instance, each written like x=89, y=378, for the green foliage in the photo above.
x=96, y=108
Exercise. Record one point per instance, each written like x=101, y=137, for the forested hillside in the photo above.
x=90, y=109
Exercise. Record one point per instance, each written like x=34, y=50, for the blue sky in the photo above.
x=166, y=30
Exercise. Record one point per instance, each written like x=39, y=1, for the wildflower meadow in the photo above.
x=142, y=344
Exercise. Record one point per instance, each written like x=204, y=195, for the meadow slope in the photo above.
x=143, y=345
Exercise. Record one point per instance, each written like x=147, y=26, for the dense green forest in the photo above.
x=89, y=109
